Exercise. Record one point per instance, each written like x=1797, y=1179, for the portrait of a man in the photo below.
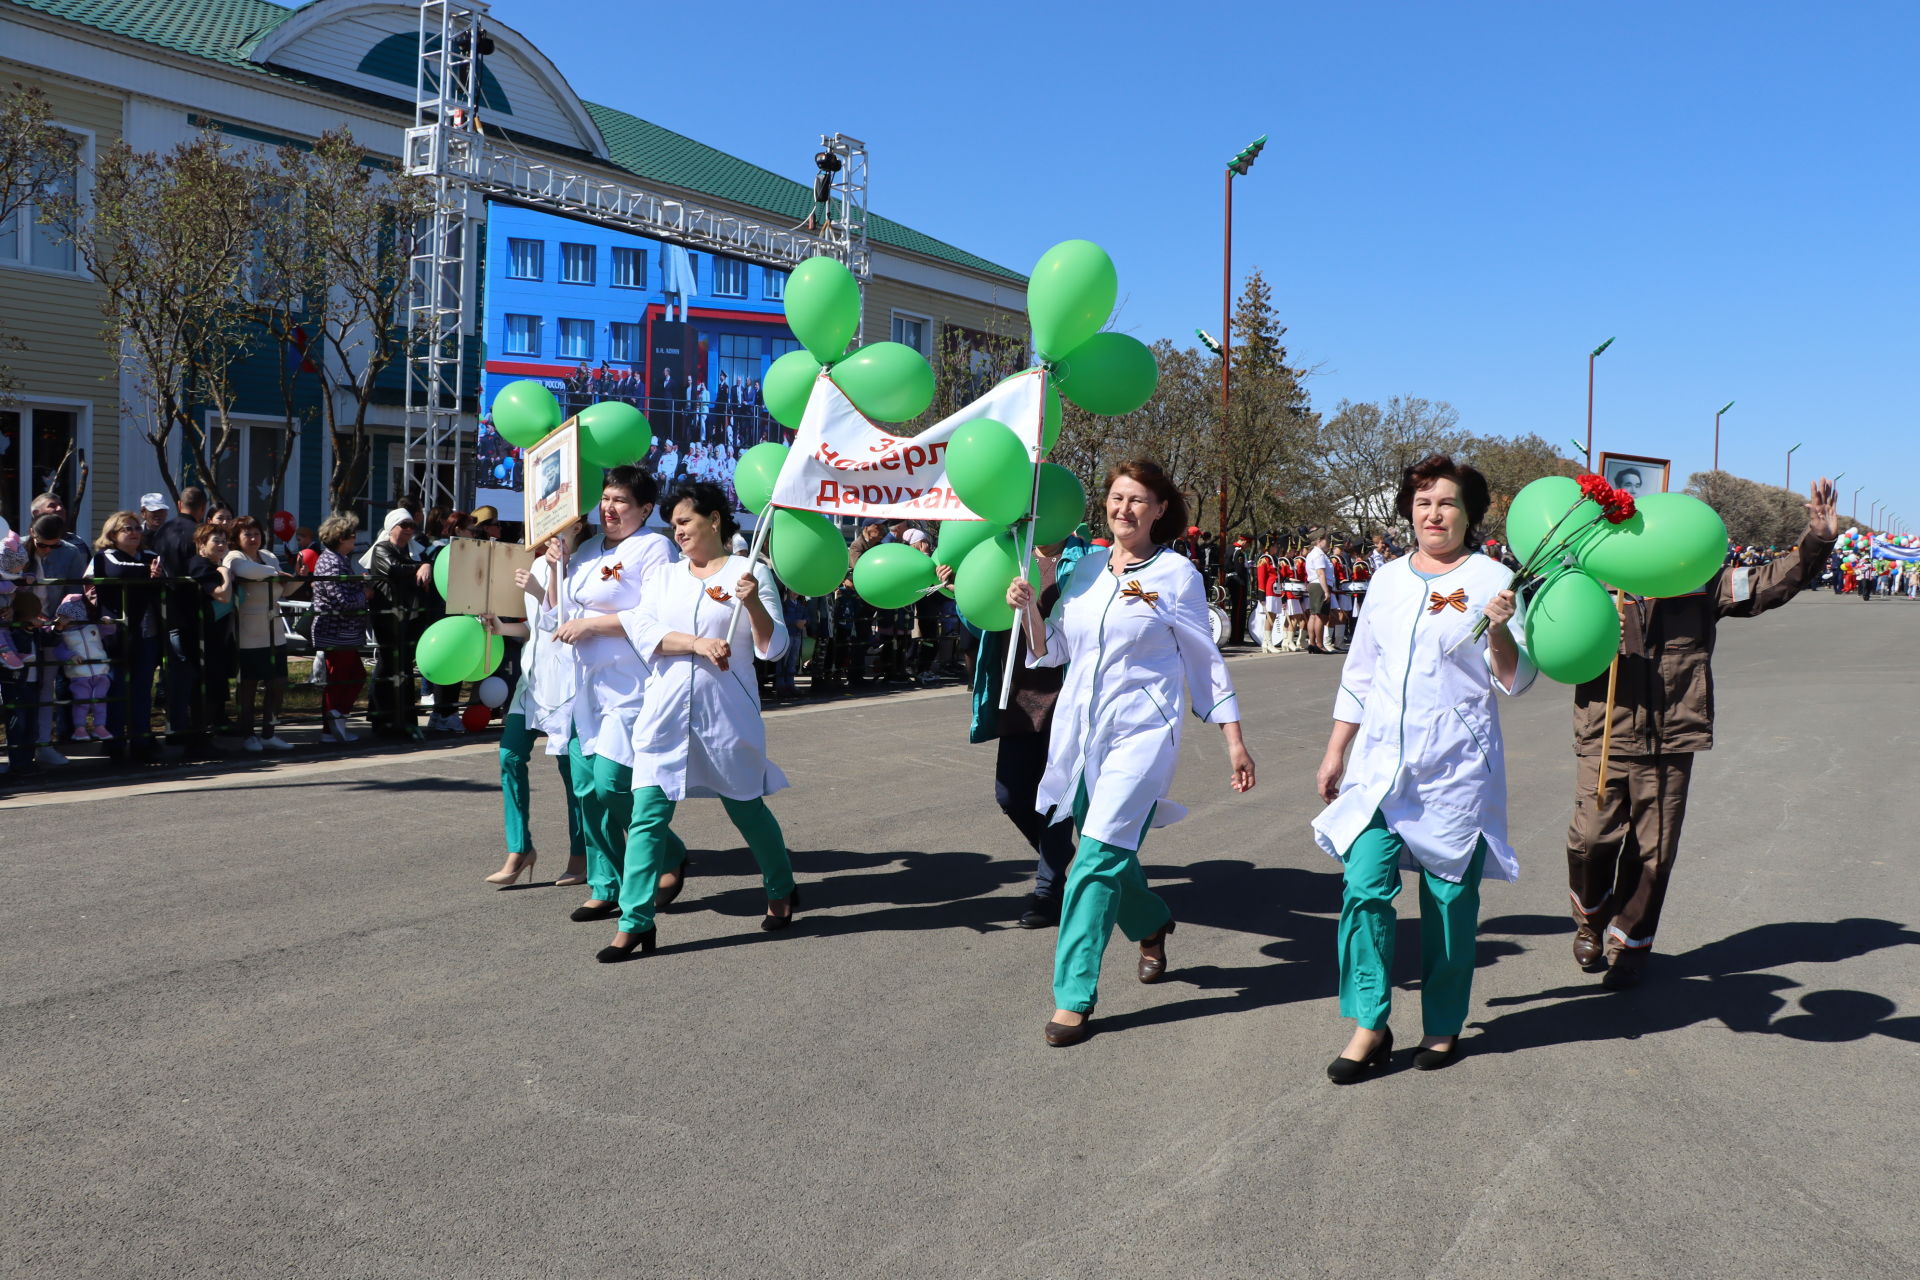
x=1636, y=475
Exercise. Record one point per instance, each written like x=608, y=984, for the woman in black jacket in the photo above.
x=398, y=619
x=130, y=594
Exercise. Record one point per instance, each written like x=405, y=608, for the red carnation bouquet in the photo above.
x=1615, y=507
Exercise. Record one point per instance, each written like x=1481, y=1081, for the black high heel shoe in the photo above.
x=773, y=923
x=1435, y=1059
x=597, y=911
x=1349, y=1071
x=1154, y=968
x=664, y=898
x=644, y=941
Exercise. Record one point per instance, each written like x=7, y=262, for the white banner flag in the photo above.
x=843, y=465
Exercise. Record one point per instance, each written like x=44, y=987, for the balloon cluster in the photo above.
x=989, y=466
x=1581, y=534
x=1863, y=549
x=612, y=433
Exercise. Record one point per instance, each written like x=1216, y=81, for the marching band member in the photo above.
x=1133, y=629
x=604, y=577
x=1266, y=580
x=1427, y=787
x=699, y=731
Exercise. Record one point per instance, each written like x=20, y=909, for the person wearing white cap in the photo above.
x=396, y=626
x=154, y=509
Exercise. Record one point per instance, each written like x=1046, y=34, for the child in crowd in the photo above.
x=84, y=655
x=13, y=563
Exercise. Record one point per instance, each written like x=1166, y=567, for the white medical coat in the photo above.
x=611, y=677
x=549, y=676
x=699, y=731
x=1428, y=756
x=1129, y=664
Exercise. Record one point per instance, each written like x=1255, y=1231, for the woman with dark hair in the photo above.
x=603, y=577
x=339, y=623
x=699, y=625
x=1426, y=787
x=1132, y=628
x=128, y=594
x=262, y=636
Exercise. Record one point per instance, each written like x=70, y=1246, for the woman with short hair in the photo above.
x=339, y=622
x=1133, y=630
x=1426, y=786
x=262, y=637
x=128, y=594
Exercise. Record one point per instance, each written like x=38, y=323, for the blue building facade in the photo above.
x=605, y=315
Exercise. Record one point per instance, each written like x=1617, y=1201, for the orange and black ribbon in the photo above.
x=611, y=571
x=1134, y=590
x=718, y=594
x=1457, y=600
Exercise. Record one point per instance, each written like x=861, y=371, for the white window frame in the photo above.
x=506, y=333
x=23, y=217
x=773, y=284
x=81, y=520
x=926, y=330
x=541, y=272
x=593, y=264
x=560, y=351
x=290, y=493
x=732, y=265
x=639, y=342
x=613, y=272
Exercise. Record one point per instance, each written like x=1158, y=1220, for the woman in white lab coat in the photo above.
x=1426, y=788
x=699, y=733
x=1132, y=629
x=603, y=577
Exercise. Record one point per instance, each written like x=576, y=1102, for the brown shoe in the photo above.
x=1589, y=949
x=1154, y=968
x=1628, y=966
x=1060, y=1035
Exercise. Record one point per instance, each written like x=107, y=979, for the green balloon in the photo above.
x=1062, y=505
x=1538, y=507
x=492, y=651
x=1069, y=296
x=893, y=575
x=988, y=468
x=592, y=480
x=954, y=538
x=524, y=411
x=441, y=563
x=980, y=587
x=754, y=474
x=1573, y=629
x=809, y=555
x=613, y=434
x=1109, y=373
x=450, y=648
x=1673, y=544
x=823, y=307
x=788, y=386
x=887, y=381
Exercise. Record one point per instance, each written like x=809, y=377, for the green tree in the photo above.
x=35, y=157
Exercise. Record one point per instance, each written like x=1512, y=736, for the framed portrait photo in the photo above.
x=553, y=483
x=1635, y=474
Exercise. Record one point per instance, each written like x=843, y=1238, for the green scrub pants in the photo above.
x=652, y=848
x=1449, y=921
x=604, y=789
x=1105, y=886
x=516, y=751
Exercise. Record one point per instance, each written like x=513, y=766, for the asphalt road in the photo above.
x=273, y=1024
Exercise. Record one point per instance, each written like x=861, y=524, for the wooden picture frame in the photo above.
x=1640, y=472
x=552, y=492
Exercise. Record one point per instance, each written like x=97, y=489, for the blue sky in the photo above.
x=1459, y=200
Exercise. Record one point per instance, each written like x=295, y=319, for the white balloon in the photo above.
x=493, y=691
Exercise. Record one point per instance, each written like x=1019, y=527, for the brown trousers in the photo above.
x=1621, y=845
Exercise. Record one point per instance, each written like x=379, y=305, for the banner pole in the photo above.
x=760, y=531
x=1025, y=554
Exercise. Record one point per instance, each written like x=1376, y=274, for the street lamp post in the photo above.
x=1236, y=167
x=1855, y=517
x=1591, y=357
x=1716, y=434
x=1790, y=453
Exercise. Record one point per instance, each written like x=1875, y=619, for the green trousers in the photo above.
x=516, y=752
x=1449, y=922
x=652, y=849
x=1105, y=887
x=604, y=789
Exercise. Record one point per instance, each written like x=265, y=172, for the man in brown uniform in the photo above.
x=1621, y=845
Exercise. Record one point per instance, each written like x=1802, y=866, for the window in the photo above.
x=739, y=360
x=24, y=239
x=39, y=453
x=523, y=335
x=255, y=471
x=911, y=331
x=773, y=284
x=576, y=340
x=629, y=268
x=624, y=344
x=729, y=278
x=576, y=264
x=778, y=347
x=526, y=259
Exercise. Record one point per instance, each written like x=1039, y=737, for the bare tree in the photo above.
x=171, y=239
x=1365, y=448
x=35, y=157
x=1755, y=514
x=1509, y=466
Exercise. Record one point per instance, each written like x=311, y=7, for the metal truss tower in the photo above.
x=448, y=144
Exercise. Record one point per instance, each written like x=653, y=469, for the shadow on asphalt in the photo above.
x=1718, y=982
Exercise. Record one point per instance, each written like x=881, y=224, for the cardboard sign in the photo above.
x=480, y=577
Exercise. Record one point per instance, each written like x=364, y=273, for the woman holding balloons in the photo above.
x=1427, y=786
x=700, y=623
x=602, y=578
x=1132, y=629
